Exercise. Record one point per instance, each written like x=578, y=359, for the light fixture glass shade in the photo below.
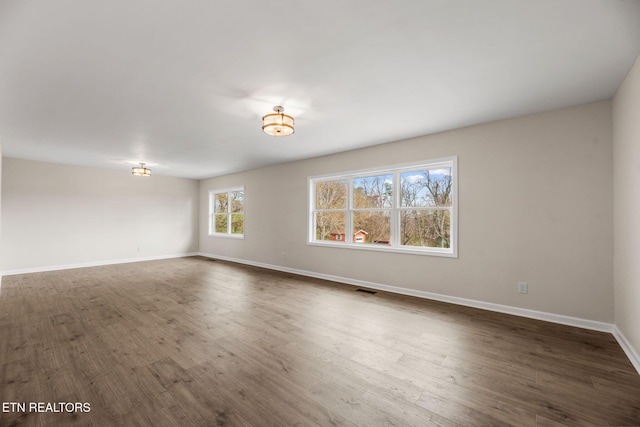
x=278, y=124
x=140, y=170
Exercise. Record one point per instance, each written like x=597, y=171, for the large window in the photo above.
x=405, y=208
x=226, y=212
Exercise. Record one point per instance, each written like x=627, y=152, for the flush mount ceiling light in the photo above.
x=140, y=170
x=278, y=124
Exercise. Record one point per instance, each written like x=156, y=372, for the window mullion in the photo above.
x=348, y=226
x=395, y=212
x=212, y=224
x=229, y=201
x=313, y=208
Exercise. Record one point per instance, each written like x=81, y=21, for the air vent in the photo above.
x=366, y=291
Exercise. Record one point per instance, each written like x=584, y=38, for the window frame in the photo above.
x=396, y=209
x=229, y=213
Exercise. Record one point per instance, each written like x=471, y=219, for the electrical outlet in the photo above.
x=523, y=287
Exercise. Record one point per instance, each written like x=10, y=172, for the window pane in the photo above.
x=237, y=223
x=426, y=188
x=372, y=227
x=237, y=201
x=221, y=223
x=220, y=204
x=430, y=228
x=373, y=192
x=398, y=208
x=330, y=226
x=331, y=194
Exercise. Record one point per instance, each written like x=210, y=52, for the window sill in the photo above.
x=227, y=236
x=448, y=253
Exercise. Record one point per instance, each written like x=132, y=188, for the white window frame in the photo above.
x=212, y=213
x=396, y=171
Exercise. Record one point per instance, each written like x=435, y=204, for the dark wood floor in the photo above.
x=199, y=342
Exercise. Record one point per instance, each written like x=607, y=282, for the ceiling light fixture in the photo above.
x=140, y=170
x=278, y=123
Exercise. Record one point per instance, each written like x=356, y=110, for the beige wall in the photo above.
x=626, y=158
x=56, y=215
x=1, y=210
x=535, y=205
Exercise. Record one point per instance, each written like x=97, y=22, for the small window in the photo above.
x=226, y=212
x=404, y=208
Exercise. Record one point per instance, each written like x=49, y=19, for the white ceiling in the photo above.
x=182, y=84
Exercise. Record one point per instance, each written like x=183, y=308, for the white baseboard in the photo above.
x=532, y=314
x=628, y=348
x=92, y=264
x=523, y=312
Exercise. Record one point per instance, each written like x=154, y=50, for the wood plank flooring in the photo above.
x=192, y=341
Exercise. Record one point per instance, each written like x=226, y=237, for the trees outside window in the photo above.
x=425, y=207
x=408, y=208
x=372, y=204
x=226, y=212
x=331, y=209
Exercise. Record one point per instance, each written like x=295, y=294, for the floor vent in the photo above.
x=366, y=291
